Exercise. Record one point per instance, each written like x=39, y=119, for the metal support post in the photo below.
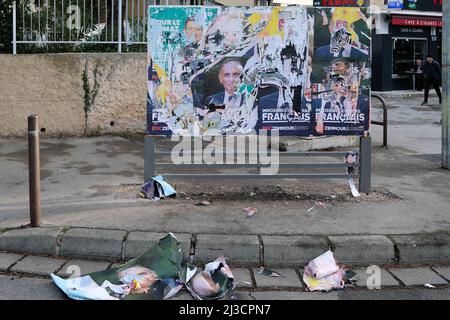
x=34, y=171
x=149, y=158
x=120, y=20
x=14, y=39
x=365, y=168
x=446, y=85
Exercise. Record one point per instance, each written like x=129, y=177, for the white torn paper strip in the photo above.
x=191, y=271
x=83, y=288
x=355, y=192
x=114, y=288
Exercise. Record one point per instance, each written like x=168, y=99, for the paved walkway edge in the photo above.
x=241, y=250
x=401, y=94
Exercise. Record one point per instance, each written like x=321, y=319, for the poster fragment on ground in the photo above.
x=159, y=273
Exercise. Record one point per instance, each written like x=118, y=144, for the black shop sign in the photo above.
x=408, y=31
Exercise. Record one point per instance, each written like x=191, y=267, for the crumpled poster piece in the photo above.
x=153, y=275
x=323, y=265
x=156, y=188
x=214, y=282
x=250, y=211
x=330, y=282
x=324, y=274
x=82, y=288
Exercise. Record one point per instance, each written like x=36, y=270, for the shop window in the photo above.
x=405, y=53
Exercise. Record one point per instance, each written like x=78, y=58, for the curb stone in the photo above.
x=31, y=240
x=422, y=248
x=292, y=251
x=92, y=243
x=242, y=250
x=374, y=249
x=139, y=241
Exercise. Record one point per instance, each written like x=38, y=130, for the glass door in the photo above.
x=405, y=53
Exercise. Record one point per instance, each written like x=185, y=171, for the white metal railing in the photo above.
x=79, y=22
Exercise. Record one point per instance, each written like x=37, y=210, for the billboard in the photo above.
x=237, y=70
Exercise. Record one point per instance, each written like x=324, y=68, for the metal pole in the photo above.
x=112, y=20
x=385, y=125
x=127, y=26
x=149, y=158
x=14, y=29
x=138, y=19
x=385, y=118
x=446, y=85
x=119, y=18
x=34, y=171
x=365, y=166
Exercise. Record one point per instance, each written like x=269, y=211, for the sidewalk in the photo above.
x=250, y=285
x=90, y=209
x=242, y=250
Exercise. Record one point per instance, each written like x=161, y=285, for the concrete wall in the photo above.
x=51, y=85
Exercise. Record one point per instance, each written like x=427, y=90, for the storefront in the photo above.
x=411, y=42
x=409, y=35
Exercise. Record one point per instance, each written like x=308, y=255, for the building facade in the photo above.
x=406, y=30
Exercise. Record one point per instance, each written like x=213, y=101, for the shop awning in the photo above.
x=417, y=21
